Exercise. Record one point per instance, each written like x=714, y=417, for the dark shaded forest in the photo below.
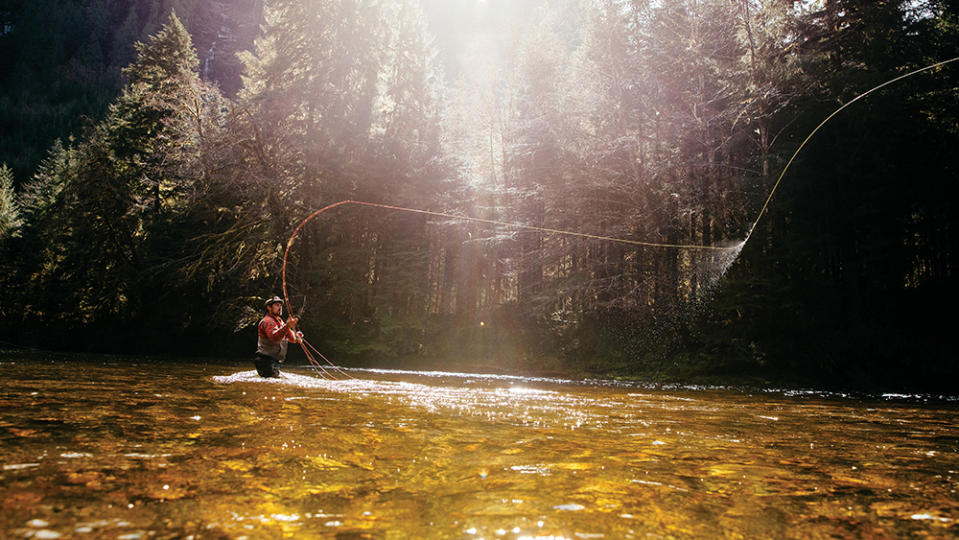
x=159, y=154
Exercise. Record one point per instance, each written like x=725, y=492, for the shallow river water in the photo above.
x=131, y=448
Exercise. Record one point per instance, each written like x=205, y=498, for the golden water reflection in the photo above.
x=134, y=449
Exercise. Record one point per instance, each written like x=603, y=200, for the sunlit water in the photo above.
x=127, y=448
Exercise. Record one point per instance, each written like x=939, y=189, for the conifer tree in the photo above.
x=105, y=214
x=9, y=214
x=154, y=126
x=339, y=101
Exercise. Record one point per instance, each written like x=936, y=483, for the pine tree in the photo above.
x=339, y=101
x=9, y=213
x=154, y=127
x=767, y=72
x=43, y=193
x=105, y=214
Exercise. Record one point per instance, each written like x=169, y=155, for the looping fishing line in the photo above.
x=325, y=370
x=321, y=369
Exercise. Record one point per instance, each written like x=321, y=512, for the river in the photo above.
x=134, y=448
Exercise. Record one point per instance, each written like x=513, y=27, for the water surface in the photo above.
x=131, y=448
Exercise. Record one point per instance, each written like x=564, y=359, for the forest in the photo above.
x=157, y=156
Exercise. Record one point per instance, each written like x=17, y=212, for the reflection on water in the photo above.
x=134, y=449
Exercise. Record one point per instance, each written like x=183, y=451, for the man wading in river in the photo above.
x=273, y=335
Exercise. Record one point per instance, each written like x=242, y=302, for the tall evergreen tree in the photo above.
x=9, y=214
x=157, y=120
x=105, y=211
x=338, y=103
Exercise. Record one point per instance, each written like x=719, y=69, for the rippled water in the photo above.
x=128, y=448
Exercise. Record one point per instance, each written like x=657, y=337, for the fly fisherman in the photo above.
x=273, y=335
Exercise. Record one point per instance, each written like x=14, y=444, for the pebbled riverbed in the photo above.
x=133, y=448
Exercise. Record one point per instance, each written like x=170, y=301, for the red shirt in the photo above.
x=269, y=328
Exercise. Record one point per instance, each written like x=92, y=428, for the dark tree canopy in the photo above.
x=159, y=214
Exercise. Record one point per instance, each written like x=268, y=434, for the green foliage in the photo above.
x=165, y=55
x=315, y=129
x=9, y=213
x=60, y=63
x=104, y=216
